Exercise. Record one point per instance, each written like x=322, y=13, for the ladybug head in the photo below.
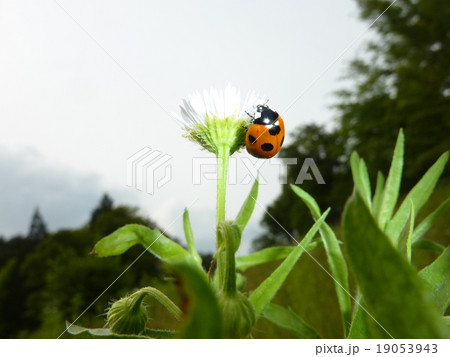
x=261, y=107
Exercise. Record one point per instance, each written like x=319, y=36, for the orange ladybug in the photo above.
x=265, y=136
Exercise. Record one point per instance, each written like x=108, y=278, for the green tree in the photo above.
x=402, y=81
x=38, y=227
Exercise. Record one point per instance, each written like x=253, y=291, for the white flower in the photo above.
x=218, y=120
x=216, y=103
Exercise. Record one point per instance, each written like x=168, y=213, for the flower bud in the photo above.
x=128, y=316
x=239, y=315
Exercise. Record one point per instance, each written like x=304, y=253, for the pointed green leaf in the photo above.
x=437, y=277
x=359, y=327
x=365, y=181
x=247, y=208
x=190, y=237
x=392, y=187
x=336, y=260
x=309, y=201
x=404, y=241
x=203, y=317
x=428, y=245
x=378, y=194
x=152, y=240
x=428, y=222
x=418, y=195
x=361, y=177
x=289, y=320
x=265, y=292
x=268, y=255
x=393, y=293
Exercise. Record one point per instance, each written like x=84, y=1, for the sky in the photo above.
x=85, y=85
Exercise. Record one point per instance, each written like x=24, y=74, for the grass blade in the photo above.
x=265, y=292
x=404, y=241
x=190, y=237
x=268, y=255
x=247, y=208
x=437, y=277
x=393, y=293
x=336, y=260
x=428, y=222
x=289, y=320
x=376, y=202
x=361, y=177
x=428, y=245
x=418, y=195
x=392, y=187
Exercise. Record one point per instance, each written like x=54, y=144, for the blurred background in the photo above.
x=85, y=85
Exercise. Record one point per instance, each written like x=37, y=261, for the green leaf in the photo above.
x=190, y=237
x=404, y=241
x=203, y=317
x=437, y=277
x=152, y=240
x=392, y=188
x=428, y=245
x=378, y=194
x=361, y=177
x=247, y=208
x=289, y=320
x=265, y=292
x=98, y=332
x=268, y=255
x=336, y=260
x=359, y=327
x=364, y=177
x=428, y=222
x=309, y=201
x=393, y=293
x=418, y=195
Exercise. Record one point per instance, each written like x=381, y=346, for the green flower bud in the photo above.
x=128, y=316
x=239, y=315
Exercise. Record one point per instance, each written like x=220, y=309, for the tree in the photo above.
x=38, y=228
x=404, y=82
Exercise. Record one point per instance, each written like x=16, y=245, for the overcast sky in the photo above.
x=85, y=88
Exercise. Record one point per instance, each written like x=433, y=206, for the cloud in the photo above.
x=65, y=197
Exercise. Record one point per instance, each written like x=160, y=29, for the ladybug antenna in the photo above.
x=251, y=116
x=261, y=105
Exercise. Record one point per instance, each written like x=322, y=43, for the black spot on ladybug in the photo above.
x=282, y=141
x=275, y=130
x=252, y=139
x=267, y=147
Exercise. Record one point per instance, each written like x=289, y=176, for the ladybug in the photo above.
x=265, y=136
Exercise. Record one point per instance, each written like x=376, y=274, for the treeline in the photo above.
x=47, y=279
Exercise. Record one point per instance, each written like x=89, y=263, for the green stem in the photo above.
x=162, y=298
x=223, y=154
x=222, y=174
